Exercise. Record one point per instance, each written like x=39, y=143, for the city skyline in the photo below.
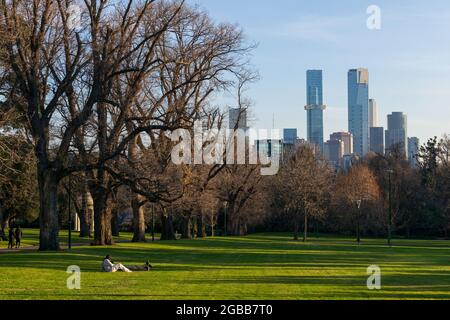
x=407, y=59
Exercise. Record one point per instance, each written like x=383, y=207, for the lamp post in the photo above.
x=358, y=236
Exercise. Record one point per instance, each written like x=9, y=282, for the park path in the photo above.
x=36, y=248
x=63, y=247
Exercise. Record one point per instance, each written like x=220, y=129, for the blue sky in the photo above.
x=408, y=59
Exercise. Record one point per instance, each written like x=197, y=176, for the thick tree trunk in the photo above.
x=102, y=218
x=167, y=230
x=234, y=227
x=201, y=226
x=233, y=224
x=48, y=211
x=186, y=228
x=115, y=225
x=85, y=231
x=137, y=200
x=138, y=219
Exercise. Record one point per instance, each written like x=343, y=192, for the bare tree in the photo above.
x=357, y=190
x=303, y=187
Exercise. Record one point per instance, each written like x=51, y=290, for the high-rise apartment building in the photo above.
x=397, y=132
x=334, y=152
x=358, y=109
x=373, y=113
x=413, y=150
x=269, y=148
x=290, y=136
x=346, y=138
x=315, y=107
x=377, y=140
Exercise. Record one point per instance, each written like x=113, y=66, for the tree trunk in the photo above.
x=234, y=227
x=85, y=231
x=194, y=227
x=213, y=233
x=167, y=230
x=186, y=228
x=3, y=221
x=305, y=232
x=3, y=225
x=48, y=211
x=137, y=201
x=201, y=226
x=296, y=230
x=115, y=227
x=138, y=219
x=102, y=218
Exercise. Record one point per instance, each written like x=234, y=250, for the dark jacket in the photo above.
x=18, y=234
x=11, y=235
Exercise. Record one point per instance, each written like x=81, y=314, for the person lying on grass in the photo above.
x=109, y=266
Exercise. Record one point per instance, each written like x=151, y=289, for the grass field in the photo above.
x=262, y=266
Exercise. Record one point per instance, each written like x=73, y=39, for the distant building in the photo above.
x=413, y=151
x=346, y=138
x=314, y=107
x=270, y=147
x=334, y=152
x=377, y=140
x=349, y=160
x=358, y=109
x=290, y=136
x=373, y=113
x=397, y=132
x=237, y=119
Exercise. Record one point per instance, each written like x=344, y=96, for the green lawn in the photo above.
x=263, y=266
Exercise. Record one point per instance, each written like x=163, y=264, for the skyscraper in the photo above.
x=397, y=132
x=346, y=138
x=237, y=119
x=314, y=107
x=358, y=109
x=289, y=136
x=334, y=152
x=413, y=150
x=269, y=148
x=373, y=113
x=377, y=140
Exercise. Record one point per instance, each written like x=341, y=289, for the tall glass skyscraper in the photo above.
x=314, y=107
x=289, y=136
x=358, y=109
x=397, y=133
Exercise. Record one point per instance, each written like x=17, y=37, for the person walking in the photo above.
x=18, y=236
x=11, y=238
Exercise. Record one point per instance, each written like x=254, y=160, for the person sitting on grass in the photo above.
x=11, y=238
x=109, y=266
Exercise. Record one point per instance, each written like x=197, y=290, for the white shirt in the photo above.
x=107, y=265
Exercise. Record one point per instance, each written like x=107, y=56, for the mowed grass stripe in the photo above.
x=263, y=266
